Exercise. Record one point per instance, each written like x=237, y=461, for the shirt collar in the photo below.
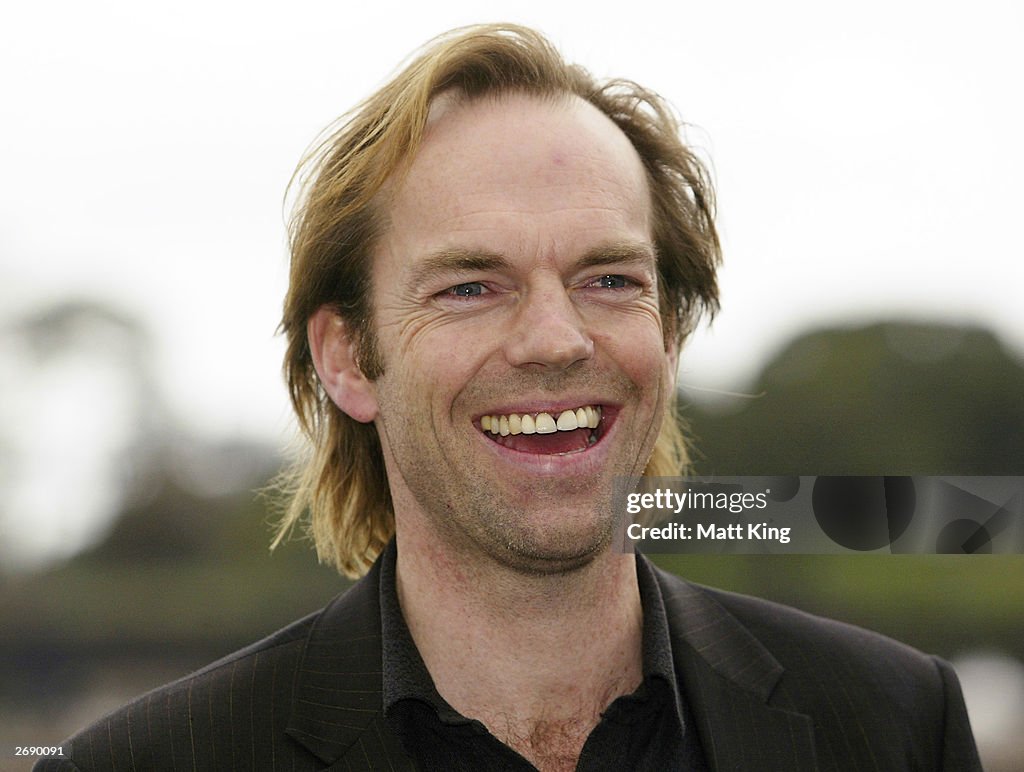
x=405, y=674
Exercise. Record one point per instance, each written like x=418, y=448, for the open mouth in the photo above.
x=568, y=431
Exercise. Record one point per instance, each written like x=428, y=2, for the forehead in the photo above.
x=519, y=165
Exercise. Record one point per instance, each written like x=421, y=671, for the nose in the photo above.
x=549, y=332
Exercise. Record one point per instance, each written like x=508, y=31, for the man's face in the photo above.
x=516, y=277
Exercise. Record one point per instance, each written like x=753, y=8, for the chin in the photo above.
x=557, y=553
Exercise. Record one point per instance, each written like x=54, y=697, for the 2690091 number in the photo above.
x=38, y=750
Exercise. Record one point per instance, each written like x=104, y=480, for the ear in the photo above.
x=333, y=348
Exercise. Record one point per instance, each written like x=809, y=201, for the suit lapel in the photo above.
x=337, y=703
x=728, y=678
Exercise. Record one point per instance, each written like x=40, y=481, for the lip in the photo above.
x=588, y=461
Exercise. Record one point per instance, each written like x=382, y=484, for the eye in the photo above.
x=470, y=289
x=612, y=281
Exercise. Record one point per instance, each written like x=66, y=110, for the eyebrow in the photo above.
x=446, y=261
x=627, y=252
x=459, y=260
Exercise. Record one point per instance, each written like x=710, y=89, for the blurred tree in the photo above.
x=890, y=398
x=80, y=409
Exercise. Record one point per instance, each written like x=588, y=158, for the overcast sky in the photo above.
x=868, y=160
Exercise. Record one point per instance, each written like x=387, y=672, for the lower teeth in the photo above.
x=592, y=438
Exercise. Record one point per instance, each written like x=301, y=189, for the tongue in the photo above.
x=548, y=444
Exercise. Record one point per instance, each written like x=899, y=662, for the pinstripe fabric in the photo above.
x=771, y=689
x=774, y=688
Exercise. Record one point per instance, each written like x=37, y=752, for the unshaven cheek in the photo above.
x=637, y=348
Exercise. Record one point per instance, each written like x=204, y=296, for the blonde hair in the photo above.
x=340, y=481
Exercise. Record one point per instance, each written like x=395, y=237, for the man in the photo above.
x=494, y=265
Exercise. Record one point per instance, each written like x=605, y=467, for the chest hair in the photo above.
x=551, y=745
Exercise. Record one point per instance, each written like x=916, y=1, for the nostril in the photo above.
x=550, y=347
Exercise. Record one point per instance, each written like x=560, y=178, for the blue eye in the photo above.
x=467, y=290
x=612, y=281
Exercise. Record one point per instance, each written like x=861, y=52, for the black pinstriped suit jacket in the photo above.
x=771, y=688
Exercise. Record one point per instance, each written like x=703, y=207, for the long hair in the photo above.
x=339, y=482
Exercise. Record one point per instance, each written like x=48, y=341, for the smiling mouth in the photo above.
x=570, y=431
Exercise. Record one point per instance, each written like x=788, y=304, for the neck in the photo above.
x=536, y=657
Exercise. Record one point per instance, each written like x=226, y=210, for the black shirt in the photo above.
x=645, y=730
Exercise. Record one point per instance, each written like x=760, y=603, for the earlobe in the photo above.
x=333, y=348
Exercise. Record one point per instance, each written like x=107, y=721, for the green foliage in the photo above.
x=893, y=398
x=944, y=604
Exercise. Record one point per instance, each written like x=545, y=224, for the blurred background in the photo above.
x=868, y=165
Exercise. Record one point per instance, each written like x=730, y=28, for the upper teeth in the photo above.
x=542, y=423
